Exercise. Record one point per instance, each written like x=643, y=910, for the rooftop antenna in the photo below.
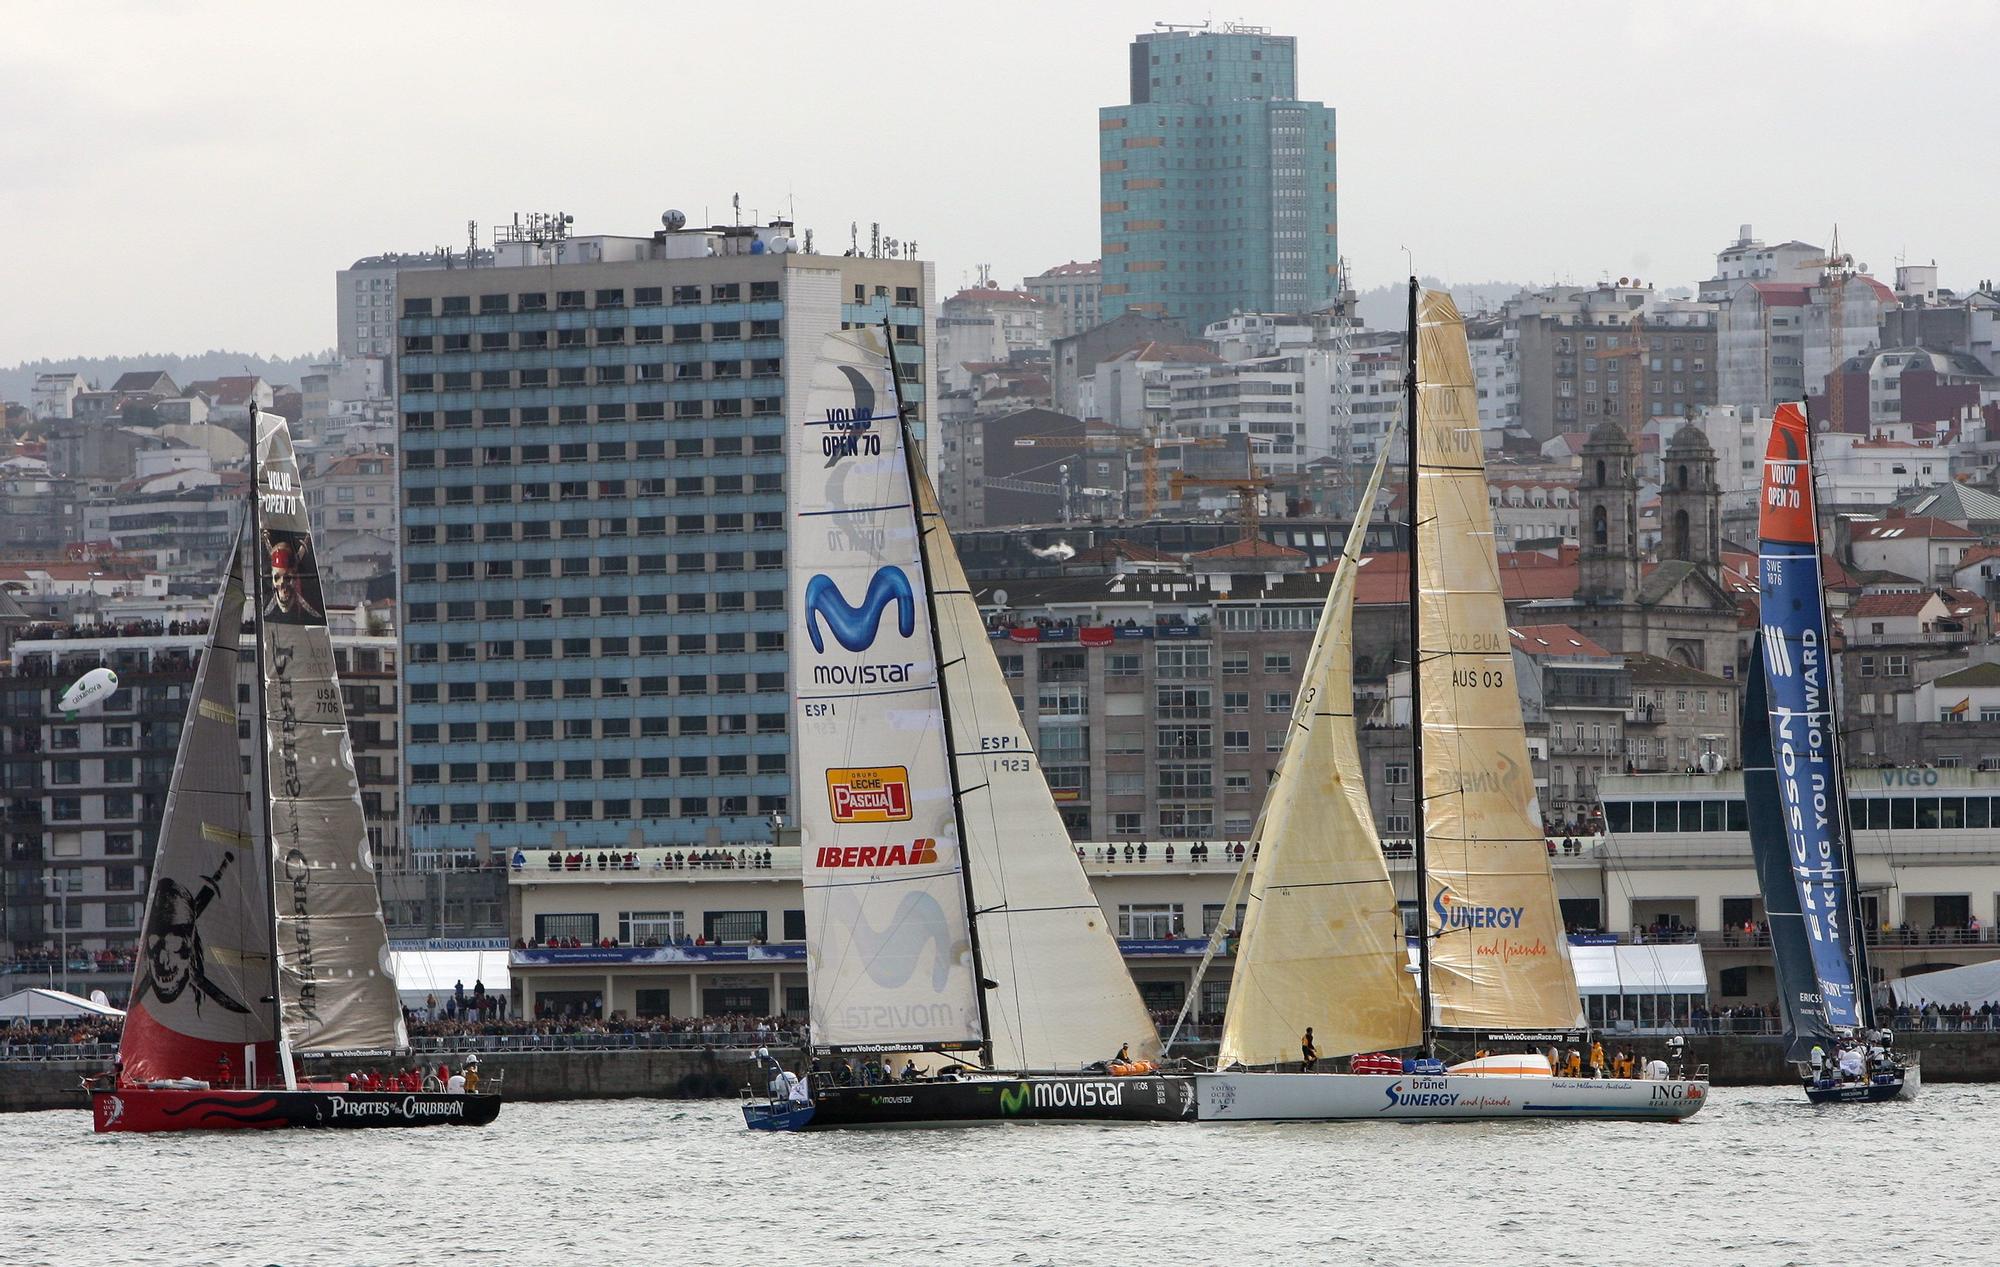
x=736, y=207
x=471, y=242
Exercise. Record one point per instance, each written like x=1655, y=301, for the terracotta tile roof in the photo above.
x=1556, y=640
x=1782, y=294
x=1913, y=526
x=1891, y=604
x=1185, y=353
x=1122, y=548
x=1524, y=577
x=1249, y=548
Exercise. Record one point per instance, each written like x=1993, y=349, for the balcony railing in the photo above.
x=572, y=866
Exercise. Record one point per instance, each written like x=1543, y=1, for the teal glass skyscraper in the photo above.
x=1217, y=183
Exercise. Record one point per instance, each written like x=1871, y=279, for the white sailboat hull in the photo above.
x=1352, y=1097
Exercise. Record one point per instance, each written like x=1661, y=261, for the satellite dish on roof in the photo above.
x=674, y=218
x=1000, y=597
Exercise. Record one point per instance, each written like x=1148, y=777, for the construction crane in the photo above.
x=1148, y=445
x=1249, y=490
x=1836, y=270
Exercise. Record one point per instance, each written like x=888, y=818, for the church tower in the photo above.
x=1690, y=503
x=1608, y=518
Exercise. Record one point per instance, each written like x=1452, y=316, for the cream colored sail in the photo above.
x=1323, y=942
x=1498, y=955
x=888, y=959
x=1062, y=996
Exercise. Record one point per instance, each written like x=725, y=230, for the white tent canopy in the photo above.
x=38, y=1004
x=420, y=973
x=1635, y=970
x=1972, y=985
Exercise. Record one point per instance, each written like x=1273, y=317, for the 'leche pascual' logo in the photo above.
x=869, y=794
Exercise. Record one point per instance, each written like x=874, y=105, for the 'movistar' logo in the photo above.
x=917, y=853
x=869, y=794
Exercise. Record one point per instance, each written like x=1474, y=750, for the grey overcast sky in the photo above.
x=180, y=175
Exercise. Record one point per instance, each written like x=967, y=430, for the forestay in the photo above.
x=1498, y=954
x=1323, y=942
x=337, y=986
x=1062, y=996
x=889, y=959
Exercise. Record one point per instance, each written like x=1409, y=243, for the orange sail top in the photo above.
x=1787, y=508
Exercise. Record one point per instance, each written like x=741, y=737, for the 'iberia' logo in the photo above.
x=869, y=794
x=917, y=853
x=1452, y=912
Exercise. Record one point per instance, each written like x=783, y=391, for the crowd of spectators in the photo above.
x=1199, y=851
x=48, y=960
x=568, y=1021
x=612, y=943
x=674, y=860
x=45, y=631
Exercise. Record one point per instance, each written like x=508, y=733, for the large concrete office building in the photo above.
x=593, y=496
x=1217, y=182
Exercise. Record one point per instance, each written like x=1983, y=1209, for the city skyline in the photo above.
x=210, y=216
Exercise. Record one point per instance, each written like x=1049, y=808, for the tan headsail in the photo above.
x=337, y=986
x=1498, y=954
x=1062, y=995
x=1323, y=942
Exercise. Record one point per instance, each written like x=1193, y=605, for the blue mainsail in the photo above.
x=1798, y=984
x=1798, y=676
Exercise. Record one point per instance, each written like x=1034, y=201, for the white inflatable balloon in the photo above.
x=93, y=687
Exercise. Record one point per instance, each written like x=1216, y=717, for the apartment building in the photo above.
x=1218, y=184
x=593, y=518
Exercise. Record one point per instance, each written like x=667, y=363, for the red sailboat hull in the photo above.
x=333, y=1107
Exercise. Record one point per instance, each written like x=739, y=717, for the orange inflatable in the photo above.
x=1131, y=1068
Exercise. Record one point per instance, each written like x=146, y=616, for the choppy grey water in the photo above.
x=1759, y=1177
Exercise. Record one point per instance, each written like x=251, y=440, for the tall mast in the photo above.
x=1416, y=680
x=1864, y=985
x=258, y=561
x=944, y=704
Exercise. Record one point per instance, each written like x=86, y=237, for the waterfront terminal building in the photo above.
x=1662, y=906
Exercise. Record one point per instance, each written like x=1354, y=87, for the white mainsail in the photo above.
x=1323, y=943
x=337, y=986
x=888, y=951
x=1062, y=997
x=1498, y=955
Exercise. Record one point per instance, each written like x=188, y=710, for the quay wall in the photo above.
x=659, y=1074
x=719, y=1073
